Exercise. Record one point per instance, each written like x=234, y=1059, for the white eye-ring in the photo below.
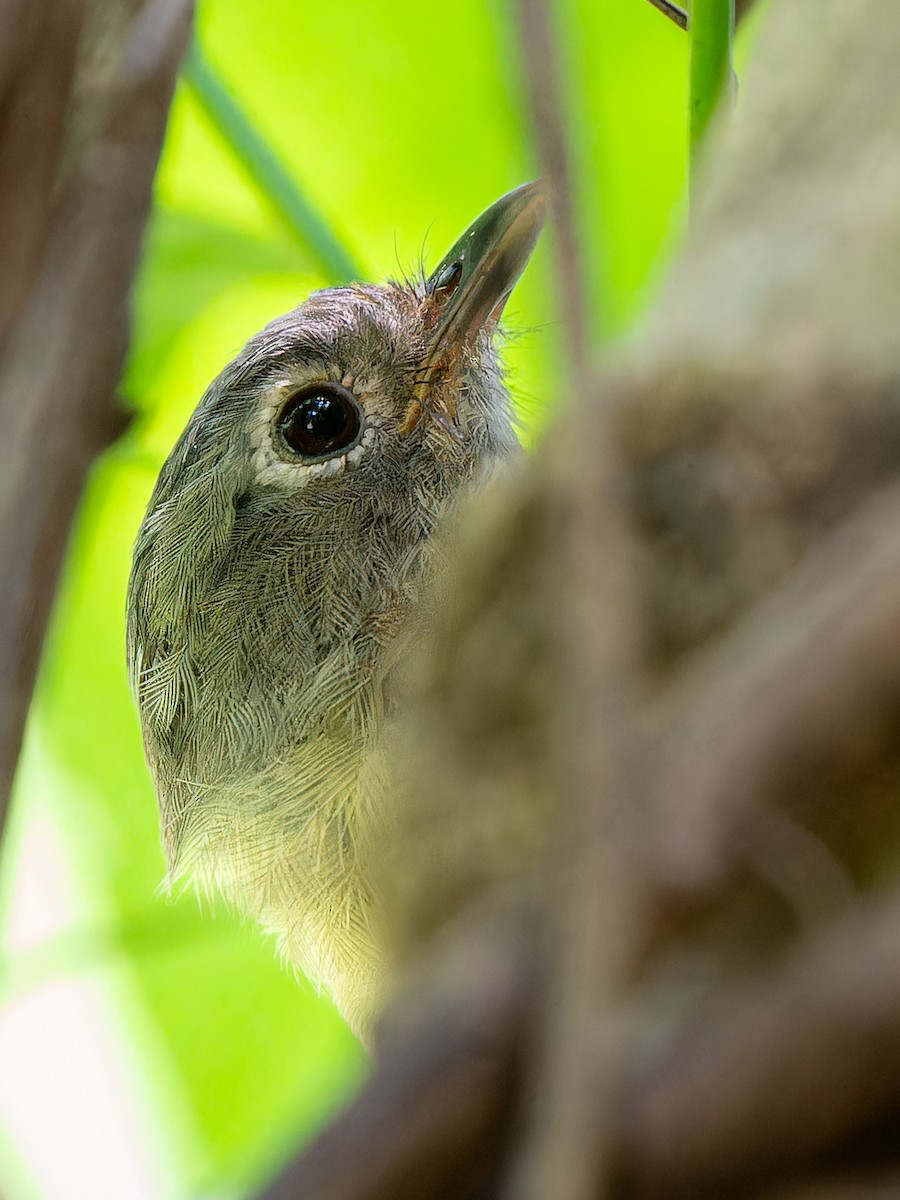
x=312, y=431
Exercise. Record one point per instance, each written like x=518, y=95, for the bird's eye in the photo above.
x=320, y=421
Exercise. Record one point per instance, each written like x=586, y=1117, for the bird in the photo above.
x=290, y=537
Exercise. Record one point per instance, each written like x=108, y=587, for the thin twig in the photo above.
x=672, y=11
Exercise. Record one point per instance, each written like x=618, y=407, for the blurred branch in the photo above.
x=66, y=306
x=871, y=1184
x=706, y=1104
x=38, y=61
x=801, y=687
x=589, y=922
x=431, y=1122
x=39, y=50
x=267, y=173
x=736, y=1093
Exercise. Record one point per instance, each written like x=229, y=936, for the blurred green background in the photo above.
x=163, y=1049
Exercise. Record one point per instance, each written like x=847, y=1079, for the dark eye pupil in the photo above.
x=319, y=423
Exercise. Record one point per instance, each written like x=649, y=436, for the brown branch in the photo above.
x=63, y=353
x=770, y=1078
x=39, y=49
x=843, y=1185
x=731, y=1095
x=431, y=1121
x=802, y=690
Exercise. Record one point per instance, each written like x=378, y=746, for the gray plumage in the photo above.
x=267, y=587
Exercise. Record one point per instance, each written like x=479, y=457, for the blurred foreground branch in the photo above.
x=746, y=1041
x=85, y=87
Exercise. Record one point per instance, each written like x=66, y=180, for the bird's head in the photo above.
x=283, y=545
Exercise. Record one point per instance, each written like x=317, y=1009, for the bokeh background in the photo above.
x=150, y=1047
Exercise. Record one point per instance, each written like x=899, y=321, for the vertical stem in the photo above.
x=712, y=35
x=587, y=926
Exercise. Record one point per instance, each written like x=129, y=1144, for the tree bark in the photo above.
x=85, y=87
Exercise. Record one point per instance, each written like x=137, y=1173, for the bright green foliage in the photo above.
x=399, y=122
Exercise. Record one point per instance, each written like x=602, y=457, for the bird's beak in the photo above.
x=467, y=292
x=473, y=281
